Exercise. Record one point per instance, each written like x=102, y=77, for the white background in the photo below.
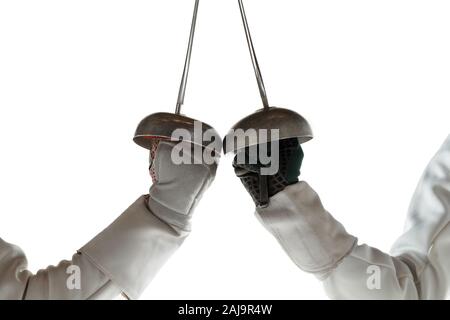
x=372, y=77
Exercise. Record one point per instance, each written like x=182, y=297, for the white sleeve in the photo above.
x=133, y=248
x=418, y=266
x=122, y=259
x=56, y=282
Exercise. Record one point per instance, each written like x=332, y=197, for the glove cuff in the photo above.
x=179, y=222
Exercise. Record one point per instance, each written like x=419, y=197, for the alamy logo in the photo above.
x=263, y=150
x=374, y=280
x=73, y=281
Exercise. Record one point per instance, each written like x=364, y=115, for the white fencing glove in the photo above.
x=177, y=188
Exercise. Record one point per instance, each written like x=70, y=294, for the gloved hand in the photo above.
x=136, y=245
x=177, y=188
x=261, y=187
x=291, y=210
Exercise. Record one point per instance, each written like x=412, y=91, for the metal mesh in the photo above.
x=153, y=150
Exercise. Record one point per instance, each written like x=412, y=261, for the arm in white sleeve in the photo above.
x=133, y=248
x=418, y=266
x=17, y=283
x=123, y=258
x=127, y=255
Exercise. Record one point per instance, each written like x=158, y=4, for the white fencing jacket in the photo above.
x=418, y=266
